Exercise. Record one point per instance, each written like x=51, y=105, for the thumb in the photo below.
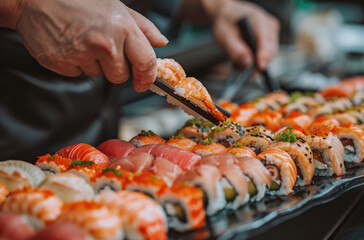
x=152, y=33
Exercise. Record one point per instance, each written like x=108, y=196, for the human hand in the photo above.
x=225, y=15
x=91, y=36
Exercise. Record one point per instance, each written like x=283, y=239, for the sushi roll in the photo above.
x=3, y=193
x=94, y=218
x=61, y=231
x=142, y=217
x=328, y=154
x=182, y=158
x=112, y=179
x=148, y=183
x=15, y=227
x=17, y=174
x=207, y=146
x=257, y=138
x=116, y=149
x=40, y=206
x=85, y=152
x=195, y=129
x=267, y=118
x=343, y=117
x=257, y=176
x=68, y=187
x=302, y=103
x=322, y=126
x=208, y=179
x=226, y=134
x=238, y=150
x=182, y=142
x=88, y=170
x=352, y=138
x=146, y=138
x=52, y=164
x=300, y=152
x=244, y=114
x=358, y=114
x=228, y=106
x=296, y=118
x=135, y=163
x=281, y=168
x=274, y=100
x=183, y=204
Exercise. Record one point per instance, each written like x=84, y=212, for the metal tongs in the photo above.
x=197, y=110
x=239, y=77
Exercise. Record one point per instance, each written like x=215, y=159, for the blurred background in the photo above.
x=321, y=42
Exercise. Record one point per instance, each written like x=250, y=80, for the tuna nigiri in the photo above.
x=116, y=149
x=184, y=159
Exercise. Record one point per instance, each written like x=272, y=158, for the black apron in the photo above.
x=41, y=111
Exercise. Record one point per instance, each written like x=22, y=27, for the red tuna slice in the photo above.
x=61, y=231
x=85, y=152
x=135, y=163
x=116, y=149
x=11, y=224
x=184, y=159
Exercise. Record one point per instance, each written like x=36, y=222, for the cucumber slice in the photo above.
x=230, y=194
x=251, y=188
x=274, y=185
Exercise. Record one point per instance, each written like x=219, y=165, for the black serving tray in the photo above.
x=256, y=218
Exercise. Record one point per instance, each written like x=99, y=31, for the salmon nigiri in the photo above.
x=184, y=159
x=219, y=159
x=238, y=150
x=282, y=169
x=296, y=118
x=145, y=138
x=85, y=152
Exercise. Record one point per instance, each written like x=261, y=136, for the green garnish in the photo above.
x=49, y=158
x=287, y=136
x=257, y=99
x=207, y=141
x=295, y=96
x=335, y=111
x=193, y=122
x=180, y=136
x=154, y=178
x=116, y=172
x=81, y=163
x=237, y=144
x=184, y=184
x=255, y=131
x=137, y=174
x=148, y=133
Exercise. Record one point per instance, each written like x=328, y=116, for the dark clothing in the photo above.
x=41, y=111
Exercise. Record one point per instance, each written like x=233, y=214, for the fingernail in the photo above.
x=166, y=41
x=142, y=88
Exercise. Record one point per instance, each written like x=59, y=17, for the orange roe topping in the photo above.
x=61, y=162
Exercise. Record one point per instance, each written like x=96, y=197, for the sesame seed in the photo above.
x=310, y=153
x=310, y=160
x=307, y=148
x=298, y=145
x=324, y=138
x=306, y=154
x=312, y=136
x=341, y=165
x=330, y=147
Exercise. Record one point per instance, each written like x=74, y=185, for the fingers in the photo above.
x=152, y=33
x=91, y=69
x=267, y=35
x=143, y=60
x=228, y=37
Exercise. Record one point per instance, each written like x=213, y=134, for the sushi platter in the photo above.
x=272, y=159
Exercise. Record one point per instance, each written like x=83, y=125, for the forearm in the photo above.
x=9, y=13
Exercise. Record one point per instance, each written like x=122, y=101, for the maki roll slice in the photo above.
x=112, y=179
x=299, y=151
x=257, y=138
x=267, y=118
x=208, y=179
x=146, y=138
x=238, y=150
x=281, y=168
x=352, y=138
x=226, y=134
x=195, y=129
x=257, y=176
x=183, y=204
x=53, y=164
x=328, y=154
